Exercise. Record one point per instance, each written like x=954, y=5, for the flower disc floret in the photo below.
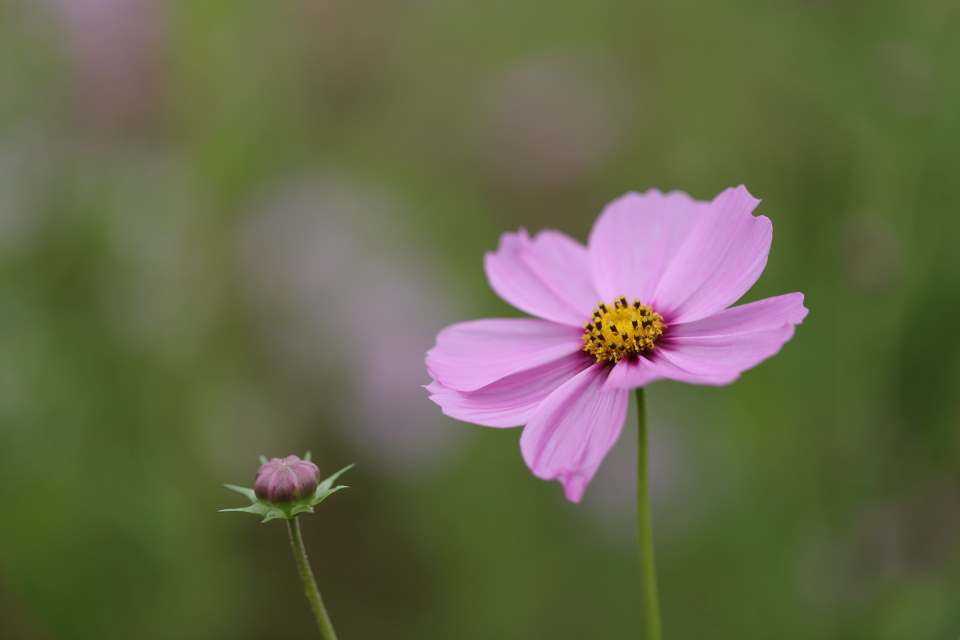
x=625, y=330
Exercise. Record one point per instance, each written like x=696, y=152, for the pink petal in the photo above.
x=721, y=258
x=548, y=276
x=638, y=372
x=674, y=366
x=720, y=359
x=510, y=401
x=715, y=350
x=635, y=372
x=471, y=355
x=572, y=430
x=636, y=237
x=768, y=313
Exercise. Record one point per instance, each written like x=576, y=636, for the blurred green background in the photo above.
x=232, y=228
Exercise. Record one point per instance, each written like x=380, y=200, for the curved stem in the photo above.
x=309, y=584
x=648, y=573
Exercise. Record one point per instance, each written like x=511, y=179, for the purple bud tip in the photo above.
x=286, y=479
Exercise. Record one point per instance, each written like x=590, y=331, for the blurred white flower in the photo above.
x=350, y=299
x=891, y=542
x=551, y=120
x=114, y=47
x=614, y=496
x=161, y=285
x=27, y=164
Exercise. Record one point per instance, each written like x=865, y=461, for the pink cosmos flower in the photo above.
x=664, y=268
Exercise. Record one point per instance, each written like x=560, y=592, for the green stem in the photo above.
x=648, y=573
x=309, y=584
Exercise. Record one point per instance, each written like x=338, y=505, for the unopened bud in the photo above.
x=286, y=479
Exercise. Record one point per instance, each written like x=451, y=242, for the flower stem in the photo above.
x=309, y=584
x=648, y=573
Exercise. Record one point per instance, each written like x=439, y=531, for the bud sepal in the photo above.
x=288, y=510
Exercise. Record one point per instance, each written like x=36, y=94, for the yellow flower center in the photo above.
x=626, y=329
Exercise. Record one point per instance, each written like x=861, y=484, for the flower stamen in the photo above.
x=625, y=330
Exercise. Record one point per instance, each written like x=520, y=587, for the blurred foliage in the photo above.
x=146, y=147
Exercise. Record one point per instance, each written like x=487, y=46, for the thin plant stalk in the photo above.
x=309, y=584
x=648, y=572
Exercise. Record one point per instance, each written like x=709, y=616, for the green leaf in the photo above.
x=302, y=507
x=247, y=492
x=274, y=514
x=328, y=492
x=325, y=485
x=257, y=509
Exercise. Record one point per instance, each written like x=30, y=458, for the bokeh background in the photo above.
x=232, y=227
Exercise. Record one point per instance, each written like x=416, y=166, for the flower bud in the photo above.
x=285, y=480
